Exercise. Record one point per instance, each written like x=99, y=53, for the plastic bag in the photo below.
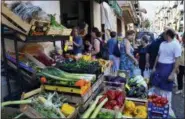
x=136, y=71
x=26, y=11
x=146, y=74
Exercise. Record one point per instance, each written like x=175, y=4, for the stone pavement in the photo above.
x=178, y=105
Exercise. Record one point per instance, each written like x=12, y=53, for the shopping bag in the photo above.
x=146, y=74
x=136, y=71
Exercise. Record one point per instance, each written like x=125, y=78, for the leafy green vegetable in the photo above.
x=80, y=66
x=57, y=74
x=105, y=115
x=55, y=24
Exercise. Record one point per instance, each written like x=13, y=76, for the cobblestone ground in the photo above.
x=178, y=105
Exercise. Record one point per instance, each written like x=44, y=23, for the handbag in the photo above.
x=104, y=53
x=116, y=50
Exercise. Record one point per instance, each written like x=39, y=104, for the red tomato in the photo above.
x=43, y=80
x=159, y=105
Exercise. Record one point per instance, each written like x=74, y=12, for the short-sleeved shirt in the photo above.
x=168, y=51
x=111, y=43
x=78, y=40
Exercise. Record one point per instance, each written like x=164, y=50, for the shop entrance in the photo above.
x=75, y=11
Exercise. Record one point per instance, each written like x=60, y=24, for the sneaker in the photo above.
x=178, y=92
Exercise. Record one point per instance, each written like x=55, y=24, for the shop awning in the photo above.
x=116, y=7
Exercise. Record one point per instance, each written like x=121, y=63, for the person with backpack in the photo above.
x=111, y=44
x=99, y=49
x=127, y=59
x=95, y=41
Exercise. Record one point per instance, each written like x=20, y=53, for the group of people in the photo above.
x=164, y=56
x=85, y=42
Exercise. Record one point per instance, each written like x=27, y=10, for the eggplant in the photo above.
x=120, y=79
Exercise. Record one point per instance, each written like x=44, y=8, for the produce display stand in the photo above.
x=31, y=112
x=82, y=99
x=137, y=99
x=10, y=34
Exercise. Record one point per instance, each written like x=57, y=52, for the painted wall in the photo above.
x=97, y=15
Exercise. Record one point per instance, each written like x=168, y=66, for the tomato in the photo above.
x=154, y=96
x=154, y=100
x=159, y=105
x=149, y=100
x=158, y=101
x=43, y=80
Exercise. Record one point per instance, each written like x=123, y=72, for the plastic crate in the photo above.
x=158, y=112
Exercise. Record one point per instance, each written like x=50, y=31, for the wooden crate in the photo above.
x=39, y=27
x=16, y=21
x=105, y=89
x=137, y=103
x=68, y=89
x=31, y=112
x=78, y=99
x=92, y=97
x=63, y=32
x=81, y=99
x=97, y=83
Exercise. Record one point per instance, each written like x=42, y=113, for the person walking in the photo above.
x=181, y=69
x=165, y=67
x=153, y=50
x=111, y=44
x=127, y=60
x=142, y=50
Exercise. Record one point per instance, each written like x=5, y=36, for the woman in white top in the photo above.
x=165, y=66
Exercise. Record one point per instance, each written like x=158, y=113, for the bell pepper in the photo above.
x=111, y=94
x=67, y=109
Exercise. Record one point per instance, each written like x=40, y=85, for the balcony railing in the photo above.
x=175, y=4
